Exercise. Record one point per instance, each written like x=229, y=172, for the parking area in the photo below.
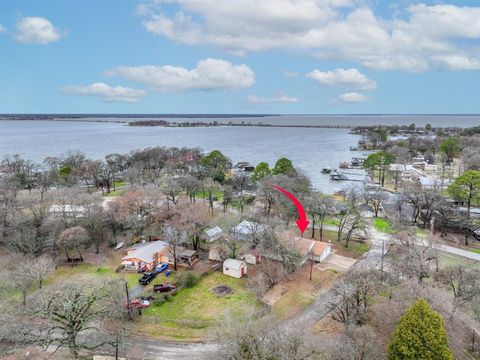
x=336, y=262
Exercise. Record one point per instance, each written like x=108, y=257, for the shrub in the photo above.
x=187, y=279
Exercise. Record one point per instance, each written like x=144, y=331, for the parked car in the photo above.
x=165, y=287
x=139, y=304
x=147, y=278
x=161, y=268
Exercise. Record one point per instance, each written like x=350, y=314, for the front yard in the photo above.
x=192, y=313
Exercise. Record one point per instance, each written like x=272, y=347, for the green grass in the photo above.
x=119, y=183
x=331, y=222
x=383, y=225
x=117, y=192
x=475, y=250
x=204, y=195
x=191, y=313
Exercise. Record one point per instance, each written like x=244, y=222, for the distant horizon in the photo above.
x=238, y=114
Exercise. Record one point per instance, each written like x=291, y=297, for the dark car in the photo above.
x=166, y=287
x=147, y=278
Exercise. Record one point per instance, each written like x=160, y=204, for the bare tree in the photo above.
x=74, y=237
x=39, y=268
x=71, y=310
x=255, y=337
x=375, y=199
x=353, y=343
x=352, y=296
x=319, y=206
x=416, y=263
x=463, y=283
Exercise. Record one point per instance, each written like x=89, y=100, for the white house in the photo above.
x=234, y=268
x=309, y=249
x=247, y=229
x=320, y=251
x=212, y=234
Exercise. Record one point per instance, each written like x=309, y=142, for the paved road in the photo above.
x=160, y=350
x=456, y=251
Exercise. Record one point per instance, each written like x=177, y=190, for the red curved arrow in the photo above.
x=302, y=221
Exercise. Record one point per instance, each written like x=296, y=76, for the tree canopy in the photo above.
x=420, y=335
x=261, y=170
x=283, y=166
x=450, y=147
x=466, y=188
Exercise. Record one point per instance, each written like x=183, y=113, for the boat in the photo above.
x=337, y=176
x=353, y=148
x=344, y=165
x=326, y=170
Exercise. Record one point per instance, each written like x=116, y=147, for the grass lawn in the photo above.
x=447, y=259
x=383, y=225
x=355, y=249
x=117, y=192
x=191, y=313
x=331, y=222
x=204, y=195
x=475, y=250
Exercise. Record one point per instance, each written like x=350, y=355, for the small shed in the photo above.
x=234, y=268
x=252, y=257
x=216, y=253
x=212, y=234
x=188, y=257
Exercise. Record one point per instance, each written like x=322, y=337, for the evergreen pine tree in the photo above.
x=420, y=335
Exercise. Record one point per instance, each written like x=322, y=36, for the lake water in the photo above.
x=309, y=149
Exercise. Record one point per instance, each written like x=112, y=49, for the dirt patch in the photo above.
x=222, y=290
x=274, y=294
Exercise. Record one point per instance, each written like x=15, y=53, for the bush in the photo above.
x=187, y=279
x=420, y=335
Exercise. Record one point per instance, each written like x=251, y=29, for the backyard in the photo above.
x=193, y=312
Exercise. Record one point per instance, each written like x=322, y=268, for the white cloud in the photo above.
x=349, y=78
x=290, y=73
x=209, y=74
x=352, y=97
x=278, y=98
x=459, y=62
x=2, y=28
x=328, y=29
x=107, y=92
x=36, y=30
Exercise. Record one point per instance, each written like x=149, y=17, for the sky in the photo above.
x=240, y=56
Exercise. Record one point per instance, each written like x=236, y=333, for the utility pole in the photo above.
x=129, y=310
x=383, y=255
